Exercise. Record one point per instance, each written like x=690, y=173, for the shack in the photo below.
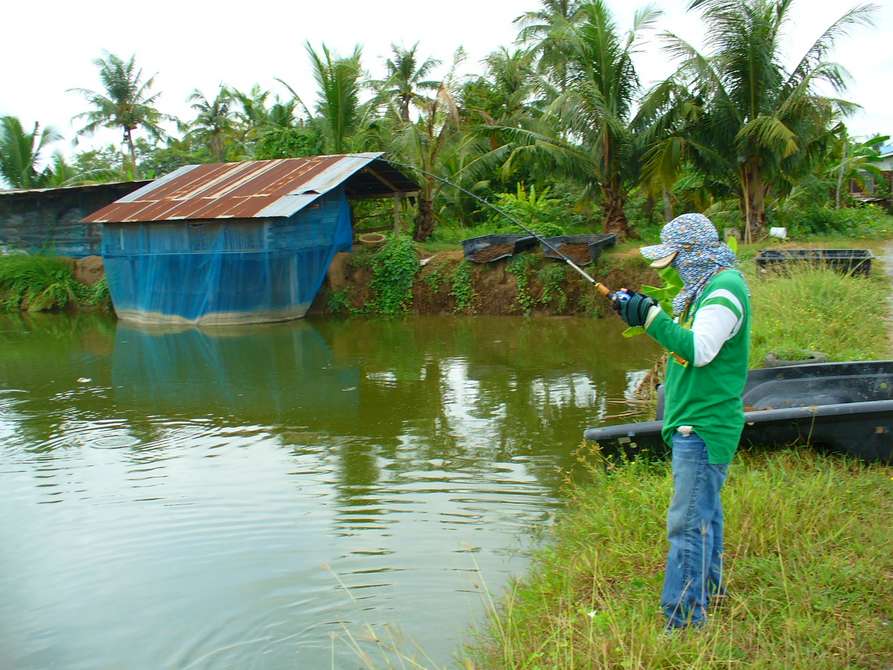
x=230, y=243
x=48, y=220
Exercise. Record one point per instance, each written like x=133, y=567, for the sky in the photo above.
x=201, y=45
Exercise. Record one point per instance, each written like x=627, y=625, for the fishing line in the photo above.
x=601, y=288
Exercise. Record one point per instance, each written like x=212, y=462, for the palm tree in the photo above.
x=338, y=96
x=60, y=172
x=20, y=152
x=593, y=139
x=406, y=80
x=750, y=118
x=550, y=33
x=125, y=103
x=213, y=124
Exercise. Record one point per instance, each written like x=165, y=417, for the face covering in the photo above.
x=699, y=255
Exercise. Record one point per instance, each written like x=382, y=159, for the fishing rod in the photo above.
x=601, y=288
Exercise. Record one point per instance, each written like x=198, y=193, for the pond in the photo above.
x=263, y=496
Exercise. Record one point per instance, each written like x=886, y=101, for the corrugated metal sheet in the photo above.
x=249, y=189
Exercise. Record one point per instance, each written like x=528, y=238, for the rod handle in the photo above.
x=604, y=290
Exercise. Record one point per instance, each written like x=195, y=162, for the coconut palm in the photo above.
x=550, y=34
x=213, y=125
x=750, y=118
x=126, y=102
x=592, y=139
x=338, y=96
x=407, y=80
x=20, y=152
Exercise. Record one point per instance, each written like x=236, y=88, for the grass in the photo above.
x=810, y=574
x=817, y=309
x=45, y=283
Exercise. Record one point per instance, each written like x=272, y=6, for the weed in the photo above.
x=553, y=277
x=462, y=289
x=519, y=266
x=808, y=570
x=436, y=278
x=394, y=268
x=339, y=302
x=36, y=283
x=818, y=309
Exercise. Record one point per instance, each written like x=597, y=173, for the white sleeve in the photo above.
x=714, y=325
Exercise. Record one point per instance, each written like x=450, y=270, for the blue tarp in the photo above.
x=224, y=271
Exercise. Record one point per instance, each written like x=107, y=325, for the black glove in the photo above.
x=633, y=307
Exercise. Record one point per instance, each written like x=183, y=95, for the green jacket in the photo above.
x=708, y=364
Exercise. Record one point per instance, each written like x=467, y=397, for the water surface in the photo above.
x=254, y=497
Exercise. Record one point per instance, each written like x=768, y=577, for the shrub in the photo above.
x=519, y=266
x=462, y=289
x=553, y=276
x=394, y=268
x=37, y=283
x=868, y=221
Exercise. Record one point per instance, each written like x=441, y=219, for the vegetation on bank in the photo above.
x=808, y=566
x=46, y=283
x=390, y=281
x=813, y=309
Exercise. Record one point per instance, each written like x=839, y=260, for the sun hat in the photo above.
x=691, y=244
x=683, y=233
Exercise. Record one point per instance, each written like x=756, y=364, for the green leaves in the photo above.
x=663, y=294
x=393, y=270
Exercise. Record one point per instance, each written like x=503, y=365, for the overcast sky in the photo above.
x=199, y=45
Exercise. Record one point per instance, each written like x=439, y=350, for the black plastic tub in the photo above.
x=594, y=244
x=513, y=244
x=857, y=261
x=841, y=407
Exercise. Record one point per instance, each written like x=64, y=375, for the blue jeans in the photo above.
x=694, y=529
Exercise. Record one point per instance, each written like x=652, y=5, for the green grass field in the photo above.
x=810, y=574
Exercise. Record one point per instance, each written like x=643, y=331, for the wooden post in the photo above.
x=398, y=198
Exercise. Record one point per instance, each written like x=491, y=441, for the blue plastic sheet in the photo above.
x=224, y=271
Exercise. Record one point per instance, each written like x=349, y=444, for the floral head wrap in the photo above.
x=699, y=254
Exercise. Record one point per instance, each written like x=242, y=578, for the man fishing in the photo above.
x=708, y=338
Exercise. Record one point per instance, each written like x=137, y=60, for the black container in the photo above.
x=844, y=407
x=518, y=244
x=595, y=244
x=857, y=261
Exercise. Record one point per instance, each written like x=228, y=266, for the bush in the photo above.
x=867, y=221
x=394, y=268
x=462, y=289
x=36, y=283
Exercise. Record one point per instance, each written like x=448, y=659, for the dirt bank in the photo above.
x=446, y=284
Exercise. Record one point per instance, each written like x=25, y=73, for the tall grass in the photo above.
x=44, y=283
x=817, y=309
x=809, y=567
x=35, y=283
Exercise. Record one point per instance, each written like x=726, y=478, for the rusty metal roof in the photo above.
x=254, y=189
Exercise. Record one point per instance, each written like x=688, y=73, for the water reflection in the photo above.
x=209, y=475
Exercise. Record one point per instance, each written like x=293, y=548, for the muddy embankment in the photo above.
x=447, y=284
